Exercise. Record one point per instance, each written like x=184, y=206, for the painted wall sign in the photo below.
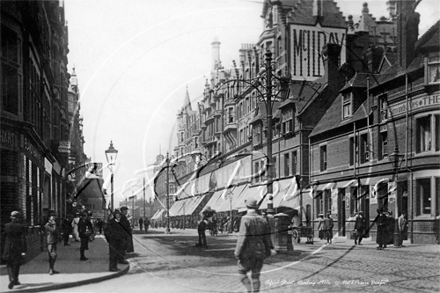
x=306, y=44
x=416, y=104
x=8, y=139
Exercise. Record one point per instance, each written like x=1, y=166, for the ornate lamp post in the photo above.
x=396, y=160
x=111, y=155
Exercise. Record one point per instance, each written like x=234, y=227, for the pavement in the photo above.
x=34, y=276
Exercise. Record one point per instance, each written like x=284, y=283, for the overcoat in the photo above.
x=382, y=231
x=15, y=241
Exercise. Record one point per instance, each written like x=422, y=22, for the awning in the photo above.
x=90, y=188
x=225, y=204
x=176, y=207
x=158, y=214
x=256, y=192
x=196, y=201
x=280, y=188
x=216, y=200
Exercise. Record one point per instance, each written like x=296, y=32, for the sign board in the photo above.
x=306, y=43
x=415, y=104
x=64, y=147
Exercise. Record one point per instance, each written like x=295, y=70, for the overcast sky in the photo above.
x=134, y=59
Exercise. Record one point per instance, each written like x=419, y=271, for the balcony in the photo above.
x=218, y=113
x=230, y=127
x=209, y=119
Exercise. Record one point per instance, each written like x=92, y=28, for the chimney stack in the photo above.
x=407, y=31
x=330, y=54
x=215, y=54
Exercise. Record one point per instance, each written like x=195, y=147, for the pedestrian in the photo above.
x=100, y=224
x=321, y=226
x=75, y=222
x=146, y=224
x=381, y=222
x=115, y=236
x=67, y=229
x=141, y=223
x=253, y=246
x=201, y=229
x=391, y=222
x=85, y=229
x=403, y=227
x=360, y=227
x=328, y=227
x=128, y=243
x=15, y=248
x=51, y=241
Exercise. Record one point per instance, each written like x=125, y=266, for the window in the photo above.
x=257, y=169
x=323, y=156
x=257, y=134
x=437, y=195
x=287, y=121
x=423, y=196
x=286, y=165
x=365, y=149
x=328, y=201
x=383, y=109
x=433, y=68
x=274, y=168
x=346, y=106
x=230, y=115
x=196, y=142
x=319, y=203
x=353, y=150
x=182, y=136
x=424, y=134
x=294, y=162
x=383, y=145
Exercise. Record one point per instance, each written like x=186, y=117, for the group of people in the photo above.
x=385, y=228
x=325, y=227
x=144, y=223
x=118, y=234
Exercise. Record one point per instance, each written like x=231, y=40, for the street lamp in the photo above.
x=396, y=160
x=111, y=155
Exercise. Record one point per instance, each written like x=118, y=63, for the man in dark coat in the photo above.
x=15, y=248
x=51, y=241
x=382, y=237
x=360, y=226
x=146, y=224
x=116, y=236
x=141, y=223
x=253, y=246
x=201, y=230
x=85, y=229
x=67, y=229
x=128, y=243
x=328, y=227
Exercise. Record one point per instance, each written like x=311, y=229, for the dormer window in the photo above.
x=347, y=106
x=433, y=68
x=287, y=121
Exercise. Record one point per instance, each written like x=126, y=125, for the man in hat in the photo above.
x=328, y=227
x=52, y=233
x=321, y=226
x=253, y=246
x=85, y=229
x=360, y=226
x=128, y=242
x=116, y=236
x=15, y=247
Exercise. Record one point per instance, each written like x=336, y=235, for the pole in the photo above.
x=231, y=219
x=269, y=128
x=184, y=217
x=143, y=191
x=168, y=197
x=112, y=205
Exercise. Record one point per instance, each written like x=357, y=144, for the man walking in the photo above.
x=402, y=225
x=115, y=235
x=141, y=223
x=67, y=229
x=360, y=226
x=15, y=248
x=253, y=246
x=52, y=240
x=85, y=229
x=128, y=242
x=328, y=228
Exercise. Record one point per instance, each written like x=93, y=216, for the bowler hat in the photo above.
x=15, y=214
x=252, y=204
x=321, y=215
x=124, y=208
x=116, y=212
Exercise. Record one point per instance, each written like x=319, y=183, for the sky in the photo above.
x=134, y=60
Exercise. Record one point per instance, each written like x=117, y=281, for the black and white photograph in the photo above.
x=220, y=146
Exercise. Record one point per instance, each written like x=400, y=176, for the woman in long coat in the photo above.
x=75, y=233
x=382, y=235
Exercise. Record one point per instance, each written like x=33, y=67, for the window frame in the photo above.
x=323, y=158
x=347, y=103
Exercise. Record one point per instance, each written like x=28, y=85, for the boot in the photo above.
x=256, y=284
x=247, y=283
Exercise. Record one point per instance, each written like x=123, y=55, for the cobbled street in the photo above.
x=171, y=263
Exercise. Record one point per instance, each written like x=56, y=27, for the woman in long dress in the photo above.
x=75, y=233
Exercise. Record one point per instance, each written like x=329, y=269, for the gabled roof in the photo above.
x=304, y=10
x=430, y=40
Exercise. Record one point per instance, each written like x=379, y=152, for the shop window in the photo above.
x=323, y=157
x=428, y=133
x=423, y=196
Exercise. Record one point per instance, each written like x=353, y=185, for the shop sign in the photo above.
x=416, y=104
x=305, y=49
x=64, y=147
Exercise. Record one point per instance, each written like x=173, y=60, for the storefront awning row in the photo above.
x=186, y=206
x=158, y=214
